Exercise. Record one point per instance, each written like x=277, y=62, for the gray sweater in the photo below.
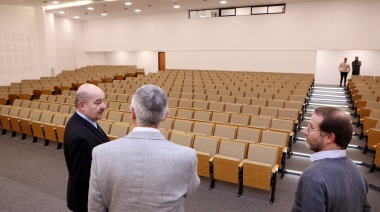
x=332, y=185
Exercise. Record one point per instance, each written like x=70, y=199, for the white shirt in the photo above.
x=145, y=129
x=328, y=154
x=344, y=67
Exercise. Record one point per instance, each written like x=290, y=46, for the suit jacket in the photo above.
x=142, y=172
x=79, y=140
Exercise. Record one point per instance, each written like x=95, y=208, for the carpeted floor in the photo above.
x=34, y=178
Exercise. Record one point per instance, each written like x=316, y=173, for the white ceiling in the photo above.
x=117, y=8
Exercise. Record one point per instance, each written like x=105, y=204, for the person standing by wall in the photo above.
x=333, y=182
x=82, y=134
x=143, y=171
x=356, y=66
x=344, y=69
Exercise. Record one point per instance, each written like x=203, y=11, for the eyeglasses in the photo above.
x=309, y=129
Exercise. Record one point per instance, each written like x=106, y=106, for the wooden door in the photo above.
x=161, y=61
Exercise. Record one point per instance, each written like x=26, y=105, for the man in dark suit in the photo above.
x=356, y=66
x=82, y=134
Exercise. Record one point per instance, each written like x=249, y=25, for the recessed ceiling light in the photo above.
x=55, y=2
x=104, y=13
x=128, y=3
x=223, y=2
x=90, y=8
x=76, y=17
x=62, y=12
x=177, y=6
x=137, y=10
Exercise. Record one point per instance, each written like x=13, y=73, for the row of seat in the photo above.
x=246, y=164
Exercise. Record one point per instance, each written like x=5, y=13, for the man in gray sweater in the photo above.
x=333, y=182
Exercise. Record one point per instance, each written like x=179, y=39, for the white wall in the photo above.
x=276, y=43
x=18, y=44
x=143, y=59
x=260, y=61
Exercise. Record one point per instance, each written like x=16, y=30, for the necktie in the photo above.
x=100, y=129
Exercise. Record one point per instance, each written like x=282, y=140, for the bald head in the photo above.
x=90, y=101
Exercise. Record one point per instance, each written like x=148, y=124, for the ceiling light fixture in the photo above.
x=128, y=3
x=223, y=2
x=76, y=17
x=137, y=10
x=55, y=2
x=70, y=4
x=176, y=6
x=104, y=13
x=61, y=12
x=90, y=8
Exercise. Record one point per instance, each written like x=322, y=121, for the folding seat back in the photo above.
x=226, y=162
x=237, y=93
x=15, y=121
x=202, y=115
x=278, y=139
x=119, y=129
x=200, y=96
x=172, y=102
x=251, y=109
x=276, y=103
x=187, y=96
x=111, y=96
x=166, y=124
x=201, y=105
x=297, y=98
x=185, y=113
x=183, y=125
x=64, y=109
x=185, y=103
x=121, y=97
x=243, y=100
x=217, y=106
x=279, y=96
x=296, y=105
x=17, y=102
x=251, y=94
x=247, y=134
x=114, y=105
x=261, y=122
x=6, y=118
x=183, y=139
x=70, y=100
x=61, y=99
x=44, y=106
x=115, y=116
x=225, y=131
x=233, y=108
x=224, y=93
x=269, y=111
x=174, y=95
x=239, y=119
x=260, y=168
x=212, y=92
x=172, y=112
x=220, y=117
x=213, y=97
x=261, y=102
x=266, y=95
x=52, y=98
x=54, y=107
x=203, y=128
x=26, y=103
x=37, y=126
x=125, y=107
x=65, y=92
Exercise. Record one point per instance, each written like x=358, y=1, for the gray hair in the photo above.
x=150, y=105
x=81, y=97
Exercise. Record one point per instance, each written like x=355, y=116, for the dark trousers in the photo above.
x=343, y=75
x=355, y=72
